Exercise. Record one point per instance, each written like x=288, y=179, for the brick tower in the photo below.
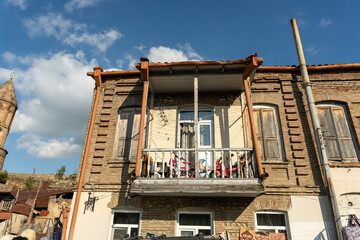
x=8, y=107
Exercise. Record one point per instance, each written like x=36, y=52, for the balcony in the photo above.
x=198, y=172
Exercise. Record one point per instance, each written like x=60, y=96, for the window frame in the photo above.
x=276, y=228
x=200, y=123
x=128, y=226
x=279, y=131
x=195, y=228
x=349, y=127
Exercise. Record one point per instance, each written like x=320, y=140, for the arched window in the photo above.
x=339, y=139
x=127, y=134
x=268, y=132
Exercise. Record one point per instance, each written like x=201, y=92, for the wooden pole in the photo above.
x=34, y=203
x=145, y=76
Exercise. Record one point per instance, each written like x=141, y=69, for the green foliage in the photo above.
x=29, y=183
x=4, y=176
x=60, y=172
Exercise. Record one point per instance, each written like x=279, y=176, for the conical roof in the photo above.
x=7, y=92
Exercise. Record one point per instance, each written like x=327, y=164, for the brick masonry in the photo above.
x=298, y=173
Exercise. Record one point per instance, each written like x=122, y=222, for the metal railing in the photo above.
x=212, y=163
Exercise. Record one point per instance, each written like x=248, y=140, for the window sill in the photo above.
x=275, y=163
x=344, y=164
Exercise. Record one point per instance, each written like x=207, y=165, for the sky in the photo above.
x=50, y=45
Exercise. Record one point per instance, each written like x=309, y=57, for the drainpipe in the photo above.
x=144, y=68
x=65, y=222
x=97, y=77
x=317, y=130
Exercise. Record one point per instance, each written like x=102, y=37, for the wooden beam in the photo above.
x=262, y=174
x=144, y=69
x=252, y=65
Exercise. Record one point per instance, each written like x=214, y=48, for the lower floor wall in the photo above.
x=305, y=217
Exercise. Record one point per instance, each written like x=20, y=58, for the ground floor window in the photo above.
x=125, y=223
x=268, y=221
x=192, y=223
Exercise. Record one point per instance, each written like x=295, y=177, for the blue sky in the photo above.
x=52, y=44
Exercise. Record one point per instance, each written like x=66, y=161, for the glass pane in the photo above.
x=134, y=232
x=205, y=115
x=205, y=231
x=187, y=233
x=264, y=219
x=204, y=135
x=194, y=219
x=187, y=116
x=119, y=233
x=126, y=218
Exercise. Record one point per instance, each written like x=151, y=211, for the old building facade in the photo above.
x=196, y=168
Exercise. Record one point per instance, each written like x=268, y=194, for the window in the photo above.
x=186, y=132
x=192, y=223
x=267, y=221
x=127, y=133
x=125, y=223
x=6, y=204
x=268, y=133
x=339, y=142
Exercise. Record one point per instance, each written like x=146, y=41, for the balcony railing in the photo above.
x=213, y=163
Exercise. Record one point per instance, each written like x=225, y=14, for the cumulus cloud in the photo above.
x=55, y=103
x=325, y=22
x=49, y=148
x=69, y=32
x=78, y=4
x=166, y=54
x=22, y=4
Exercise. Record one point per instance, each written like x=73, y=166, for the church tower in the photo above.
x=8, y=107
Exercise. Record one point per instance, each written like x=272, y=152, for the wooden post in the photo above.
x=196, y=125
x=145, y=75
x=34, y=203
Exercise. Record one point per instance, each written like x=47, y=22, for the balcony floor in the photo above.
x=218, y=187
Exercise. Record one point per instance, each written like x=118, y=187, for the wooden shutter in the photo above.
x=267, y=130
x=270, y=134
x=128, y=133
x=338, y=141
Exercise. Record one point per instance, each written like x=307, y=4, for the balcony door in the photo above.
x=186, y=133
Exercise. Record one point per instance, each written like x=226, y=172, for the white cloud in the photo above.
x=22, y=4
x=166, y=54
x=77, y=4
x=100, y=40
x=55, y=96
x=132, y=61
x=9, y=57
x=325, y=22
x=49, y=148
x=69, y=32
x=311, y=50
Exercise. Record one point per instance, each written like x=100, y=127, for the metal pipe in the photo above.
x=317, y=130
x=196, y=125
x=65, y=222
x=97, y=77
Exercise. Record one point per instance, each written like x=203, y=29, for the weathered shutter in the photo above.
x=124, y=128
x=329, y=132
x=259, y=132
x=271, y=136
x=134, y=139
x=344, y=136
